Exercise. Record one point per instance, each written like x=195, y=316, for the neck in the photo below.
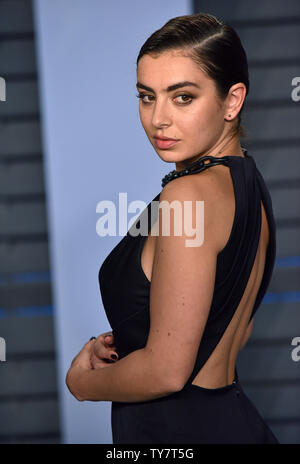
x=231, y=147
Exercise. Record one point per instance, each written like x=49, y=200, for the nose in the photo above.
x=161, y=114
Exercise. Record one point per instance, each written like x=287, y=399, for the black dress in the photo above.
x=193, y=414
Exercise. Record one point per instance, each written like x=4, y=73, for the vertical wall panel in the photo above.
x=29, y=408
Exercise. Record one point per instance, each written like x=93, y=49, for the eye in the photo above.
x=142, y=95
x=185, y=96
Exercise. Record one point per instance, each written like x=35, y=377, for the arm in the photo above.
x=133, y=378
x=180, y=297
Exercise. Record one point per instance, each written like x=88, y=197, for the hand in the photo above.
x=83, y=358
x=79, y=365
x=102, y=350
x=95, y=354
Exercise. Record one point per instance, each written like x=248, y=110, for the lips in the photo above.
x=164, y=143
x=164, y=138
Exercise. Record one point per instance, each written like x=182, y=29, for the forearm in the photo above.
x=133, y=378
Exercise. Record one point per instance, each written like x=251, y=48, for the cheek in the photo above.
x=202, y=118
x=191, y=122
x=145, y=118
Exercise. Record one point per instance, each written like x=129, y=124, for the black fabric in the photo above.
x=195, y=414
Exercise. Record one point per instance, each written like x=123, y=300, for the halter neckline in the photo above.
x=199, y=165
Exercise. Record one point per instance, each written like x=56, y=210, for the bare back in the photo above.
x=218, y=370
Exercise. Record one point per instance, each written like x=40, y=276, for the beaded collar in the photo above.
x=197, y=166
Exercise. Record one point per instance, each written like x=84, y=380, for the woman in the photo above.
x=180, y=314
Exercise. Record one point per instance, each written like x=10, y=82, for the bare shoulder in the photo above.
x=209, y=182
x=215, y=191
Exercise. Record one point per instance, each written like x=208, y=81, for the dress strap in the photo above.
x=200, y=165
x=195, y=167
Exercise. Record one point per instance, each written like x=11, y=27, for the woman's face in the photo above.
x=193, y=114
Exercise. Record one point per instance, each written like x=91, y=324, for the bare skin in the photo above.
x=203, y=125
x=103, y=350
x=218, y=371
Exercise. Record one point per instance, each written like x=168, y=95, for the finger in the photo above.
x=106, y=338
x=98, y=363
x=94, y=361
x=109, y=339
x=101, y=352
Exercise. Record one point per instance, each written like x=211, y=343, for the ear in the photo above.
x=235, y=99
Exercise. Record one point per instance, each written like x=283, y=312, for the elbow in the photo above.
x=164, y=384
x=171, y=387
x=171, y=383
x=175, y=385
x=163, y=381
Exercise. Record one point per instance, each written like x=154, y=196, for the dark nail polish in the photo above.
x=114, y=356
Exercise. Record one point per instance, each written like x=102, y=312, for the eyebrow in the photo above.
x=170, y=88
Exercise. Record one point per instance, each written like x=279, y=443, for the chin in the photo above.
x=168, y=156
